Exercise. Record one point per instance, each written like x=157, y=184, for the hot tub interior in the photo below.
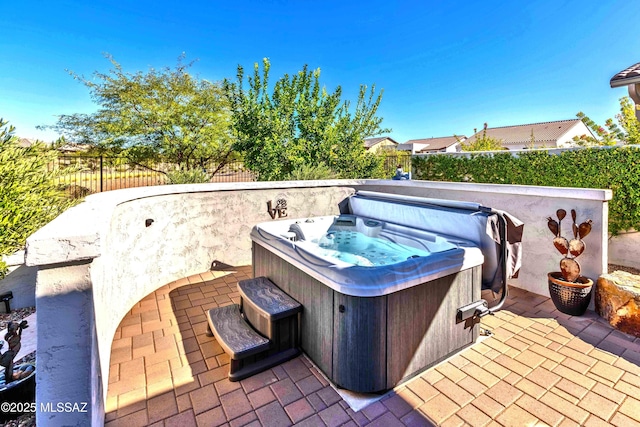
x=363, y=241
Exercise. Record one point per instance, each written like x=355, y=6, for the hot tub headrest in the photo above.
x=464, y=220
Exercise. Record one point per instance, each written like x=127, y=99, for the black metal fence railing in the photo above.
x=82, y=175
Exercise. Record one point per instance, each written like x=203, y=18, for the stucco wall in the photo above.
x=66, y=349
x=189, y=232
x=20, y=281
x=453, y=148
x=578, y=130
x=624, y=249
x=382, y=145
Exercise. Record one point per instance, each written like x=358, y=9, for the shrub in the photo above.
x=29, y=194
x=187, y=176
x=616, y=168
x=481, y=143
x=310, y=172
x=298, y=122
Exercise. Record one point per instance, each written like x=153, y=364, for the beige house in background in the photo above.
x=70, y=148
x=444, y=144
x=375, y=144
x=558, y=134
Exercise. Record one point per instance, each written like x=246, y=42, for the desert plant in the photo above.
x=187, y=176
x=149, y=117
x=310, y=172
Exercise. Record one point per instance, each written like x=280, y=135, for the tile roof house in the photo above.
x=375, y=144
x=445, y=144
x=557, y=134
x=629, y=77
x=25, y=142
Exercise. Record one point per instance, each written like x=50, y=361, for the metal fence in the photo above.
x=82, y=175
x=392, y=161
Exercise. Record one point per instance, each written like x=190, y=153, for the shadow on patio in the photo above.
x=539, y=367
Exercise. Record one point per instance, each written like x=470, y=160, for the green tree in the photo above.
x=156, y=116
x=626, y=131
x=482, y=143
x=628, y=121
x=29, y=194
x=300, y=124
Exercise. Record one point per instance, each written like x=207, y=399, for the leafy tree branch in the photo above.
x=29, y=194
x=626, y=131
x=482, y=143
x=299, y=123
x=164, y=115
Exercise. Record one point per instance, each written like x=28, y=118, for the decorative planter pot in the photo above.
x=569, y=297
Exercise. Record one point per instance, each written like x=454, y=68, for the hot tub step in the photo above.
x=250, y=352
x=268, y=298
x=267, y=308
x=233, y=334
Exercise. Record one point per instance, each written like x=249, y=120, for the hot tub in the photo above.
x=364, y=257
x=381, y=288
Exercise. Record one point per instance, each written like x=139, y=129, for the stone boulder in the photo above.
x=617, y=299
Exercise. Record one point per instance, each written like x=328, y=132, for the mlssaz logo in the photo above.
x=280, y=210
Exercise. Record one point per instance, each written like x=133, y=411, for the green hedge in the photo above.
x=616, y=168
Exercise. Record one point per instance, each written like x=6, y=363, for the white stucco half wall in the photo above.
x=624, y=249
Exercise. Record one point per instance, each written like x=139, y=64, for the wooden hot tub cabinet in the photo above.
x=371, y=344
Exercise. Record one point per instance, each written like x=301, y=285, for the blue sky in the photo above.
x=445, y=67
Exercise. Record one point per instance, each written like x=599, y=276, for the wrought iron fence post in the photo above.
x=101, y=164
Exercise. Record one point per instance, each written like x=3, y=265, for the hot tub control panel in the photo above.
x=366, y=226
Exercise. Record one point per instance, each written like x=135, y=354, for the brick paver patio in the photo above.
x=540, y=367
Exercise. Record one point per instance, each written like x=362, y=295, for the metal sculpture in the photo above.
x=13, y=338
x=571, y=249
